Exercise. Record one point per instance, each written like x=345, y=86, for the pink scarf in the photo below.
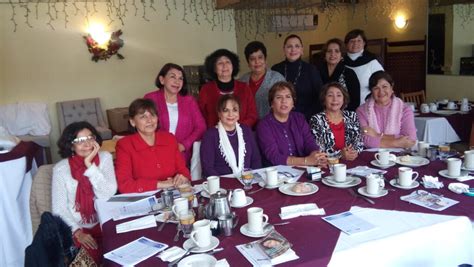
x=394, y=120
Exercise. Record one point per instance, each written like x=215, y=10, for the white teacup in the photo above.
x=405, y=176
x=454, y=167
x=433, y=107
x=212, y=185
x=272, y=176
x=238, y=198
x=469, y=159
x=201, y=234
x=340, y=172
x=465, y=107
x=180, y=204
x=424, y=108
x=464, y=101
x=375, y=184
x=256, y=219
x=422, y=147
x=384, y=157
x=452, y=105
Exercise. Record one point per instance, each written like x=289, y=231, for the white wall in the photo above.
x=449, y=86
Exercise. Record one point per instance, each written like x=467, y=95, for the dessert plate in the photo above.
x=413, y=161
x=287, y=189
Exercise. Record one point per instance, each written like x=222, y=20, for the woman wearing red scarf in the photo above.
x=82, y=176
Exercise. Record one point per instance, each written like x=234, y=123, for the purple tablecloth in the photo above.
x=312, y=238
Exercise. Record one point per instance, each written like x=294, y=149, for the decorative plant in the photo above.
x=104, y=52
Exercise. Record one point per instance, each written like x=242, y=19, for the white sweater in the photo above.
x=64, y=188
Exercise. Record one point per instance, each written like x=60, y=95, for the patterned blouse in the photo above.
x=325, y=137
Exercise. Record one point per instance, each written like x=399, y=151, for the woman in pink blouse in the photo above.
x=178, y=112
x=385, y=120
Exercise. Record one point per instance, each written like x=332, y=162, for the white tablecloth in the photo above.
x=435, y=130
x=15, y=219
x=406, y=239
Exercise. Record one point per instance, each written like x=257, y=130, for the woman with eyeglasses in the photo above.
x=149, y=159
x=304, y=76
x=84, y=174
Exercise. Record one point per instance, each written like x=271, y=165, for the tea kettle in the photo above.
x=218, y=206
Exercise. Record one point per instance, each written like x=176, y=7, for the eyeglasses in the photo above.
x=83, y=140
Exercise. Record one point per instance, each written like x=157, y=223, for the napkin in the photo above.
x=294, y=211
x=137, y=224
x=458, y=188
x=432, y=182
x=171, y=254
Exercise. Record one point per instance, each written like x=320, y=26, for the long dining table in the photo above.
x=313, y=239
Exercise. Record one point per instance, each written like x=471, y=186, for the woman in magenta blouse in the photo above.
x=178, y=112
x=385, y=120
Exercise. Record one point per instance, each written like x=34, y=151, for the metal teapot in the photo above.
x=218, y=206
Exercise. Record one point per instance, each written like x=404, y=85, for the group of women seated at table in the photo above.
x=270, y=117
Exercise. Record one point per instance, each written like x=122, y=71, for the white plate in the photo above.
x=377, y=164
x=445, y=174
x=363, y=191
x=280, y=183
x=466, y=169
x=394, y=183
x=330, y=182
x=244, y=229
x=190, y=243
x=415, y=161
x=444, y=112
x=287, y=189
x=205, y=194
x=249, y=201
x=198, y=260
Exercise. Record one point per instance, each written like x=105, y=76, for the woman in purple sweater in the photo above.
x=385, y=120
x=178, y=112
x=284, y=135
x=229, y=147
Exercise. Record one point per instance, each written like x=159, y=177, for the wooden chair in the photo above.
x=417, y=97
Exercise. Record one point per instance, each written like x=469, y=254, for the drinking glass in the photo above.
x=444, y=150
x=186, y=220
x=333, y=159
x=247, y=178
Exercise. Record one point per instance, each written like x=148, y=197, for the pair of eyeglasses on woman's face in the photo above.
x=84, y=139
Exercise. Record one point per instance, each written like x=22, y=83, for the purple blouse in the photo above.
x=212, y=161
x=279, y=140
x=407, y=127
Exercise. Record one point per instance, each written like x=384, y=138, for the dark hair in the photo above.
x=140, y=106
x=290, y=37
x=337, y=41
x=279, y=86
x=165, y=69
x=325, y=89
x=253, y=47
x=353, y=34
x=70, y=133
x=210, y=62
x=377, y=76
x=224, y=99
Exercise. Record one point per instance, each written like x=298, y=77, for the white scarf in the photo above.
x=227, y=151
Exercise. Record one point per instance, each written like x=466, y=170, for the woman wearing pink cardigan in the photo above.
x=178, y=112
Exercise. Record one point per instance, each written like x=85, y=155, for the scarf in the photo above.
x=84, y=193
x=227, y=151
x=394, y=120
x=360, y=58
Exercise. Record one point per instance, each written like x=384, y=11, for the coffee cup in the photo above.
x=424, y=108
x=405, y=176
x=272, y=176
x=452, y=105
x=201, y=234
x=384, y=157
x=340, y=172
x=465, y=107
x=212, y=185
x=464, y=101
x=180, y=204
x=238, y=198
x=454, y=167
x=422, y=147
x=433, y=107
x=375, y=184
x=256, y=219
x=469, y=159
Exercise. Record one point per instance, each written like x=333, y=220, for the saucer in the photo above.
x=394, y=183
x=190, y=243
x=198, y=260
x=377, y=164
x=445, y=174
x=349, y=179
x=330, y=182
x=363, y=191
x=244, y=229
x=205, y=194
x=466, y=169
x=249, y=201
x=413, y=161
x=263, y=184
x=287, y=189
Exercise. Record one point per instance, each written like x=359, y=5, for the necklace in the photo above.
x=297, y=75
x=232, y=134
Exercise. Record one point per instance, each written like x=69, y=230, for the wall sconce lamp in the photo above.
x=101, y=44
x=401, y=22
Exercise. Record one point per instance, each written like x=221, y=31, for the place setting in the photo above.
x=406, y=179
x=340, y=179
x=257, y=225
x=375, y=187
x=238, y=199
x=384, y=159
x=468, y=164
x=272, y=179
x=454, y=169
x=211, y=186
x=298, y=189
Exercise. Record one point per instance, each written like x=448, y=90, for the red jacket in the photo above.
x=209, y=95
x=139, y=167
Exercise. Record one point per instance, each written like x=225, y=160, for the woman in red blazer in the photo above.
x=178, y=112
x=148, y=159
